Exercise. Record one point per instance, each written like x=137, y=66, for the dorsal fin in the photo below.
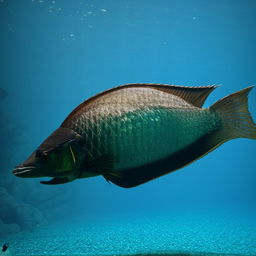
x=193, y=95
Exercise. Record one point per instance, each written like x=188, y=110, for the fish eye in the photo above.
x=40, y=153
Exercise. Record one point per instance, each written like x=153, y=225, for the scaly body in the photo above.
x=134, y=133
x=137, y=129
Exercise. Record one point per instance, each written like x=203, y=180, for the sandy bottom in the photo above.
x=121, y=236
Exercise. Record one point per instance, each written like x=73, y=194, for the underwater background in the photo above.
x=56, y=54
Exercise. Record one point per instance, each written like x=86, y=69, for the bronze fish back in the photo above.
x=134, y=124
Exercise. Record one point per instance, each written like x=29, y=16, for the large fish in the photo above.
x=134, y=133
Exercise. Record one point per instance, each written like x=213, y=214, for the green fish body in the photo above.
x=138, y=126
x=134, y=133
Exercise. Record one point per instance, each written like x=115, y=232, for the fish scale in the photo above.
x=156, y=139
x=136, y=129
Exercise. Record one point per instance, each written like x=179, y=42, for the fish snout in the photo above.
x=26, y=172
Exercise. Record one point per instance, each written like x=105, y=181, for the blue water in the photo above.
x=55, y=54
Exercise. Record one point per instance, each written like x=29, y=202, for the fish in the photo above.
x=134, y=133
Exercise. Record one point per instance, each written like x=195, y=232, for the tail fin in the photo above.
x=236, y=118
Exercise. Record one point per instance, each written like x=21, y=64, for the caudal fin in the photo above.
x=236, y=119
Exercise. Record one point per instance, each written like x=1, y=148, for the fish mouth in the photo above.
x=26, y=172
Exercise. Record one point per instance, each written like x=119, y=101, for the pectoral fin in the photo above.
x=102, y=164
x=56, y=181
x=72, y=154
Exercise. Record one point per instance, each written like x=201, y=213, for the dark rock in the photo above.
x=16, y=215
x=28, y=216
x=8, y=229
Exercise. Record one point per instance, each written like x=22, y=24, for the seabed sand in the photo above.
x=161, y=254
x=176, y=235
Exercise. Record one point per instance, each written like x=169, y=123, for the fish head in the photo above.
x=59, y=155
